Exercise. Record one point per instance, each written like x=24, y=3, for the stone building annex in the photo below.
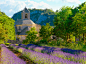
x=24, y=24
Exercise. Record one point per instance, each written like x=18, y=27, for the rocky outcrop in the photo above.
x=38, y=16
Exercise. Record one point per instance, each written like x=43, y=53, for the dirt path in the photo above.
x=18, y=54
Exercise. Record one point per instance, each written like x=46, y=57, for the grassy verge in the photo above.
x=73, y=46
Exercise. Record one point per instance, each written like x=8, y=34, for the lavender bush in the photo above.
x=2, y=45
x=41, y=58
x=8, y=57
x=58, y=53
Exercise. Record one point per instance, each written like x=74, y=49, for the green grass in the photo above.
x=73, y=46
x=1, y=42
x=7, y=43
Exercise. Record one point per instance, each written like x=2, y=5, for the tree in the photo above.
x=2, y=34
x=80, y=21
x=31, y=35
x=46, y=31
x=7, y=29
x=62, y=23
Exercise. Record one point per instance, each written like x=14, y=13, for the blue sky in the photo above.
x=10, y=7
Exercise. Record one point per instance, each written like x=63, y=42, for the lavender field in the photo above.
x=42, y=32
x=42, y=55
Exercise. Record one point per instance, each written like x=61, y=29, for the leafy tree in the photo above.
x=46, y=31
x=62, y=23
x=32, y=35
x=80, y=21
x=2, y=33
x=7, y=30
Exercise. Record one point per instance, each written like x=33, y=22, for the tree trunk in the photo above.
x=75, y=38
x=79, y=37
x=67, y=36
x=83, y=36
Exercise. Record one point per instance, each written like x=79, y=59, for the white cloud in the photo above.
x=41, y=4
x=14, y=6
x=10, y=16
x=72, y=1
x=10, y=10
x=2, y=2
x=50, y=0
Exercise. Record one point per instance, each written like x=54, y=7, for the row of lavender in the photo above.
x=81, y=58
x=8, y=57
x=41, y=58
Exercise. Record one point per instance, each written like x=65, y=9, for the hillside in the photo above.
x=38, y=16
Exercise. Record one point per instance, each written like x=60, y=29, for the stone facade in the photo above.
x=24, y=24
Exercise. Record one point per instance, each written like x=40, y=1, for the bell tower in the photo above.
x=26, y=14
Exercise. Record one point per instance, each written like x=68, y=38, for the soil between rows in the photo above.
x=18, y=54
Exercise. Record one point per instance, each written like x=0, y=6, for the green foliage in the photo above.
x=80, y=21
x=53, y=43
x=62, y=23
x=25, y=42
x=31, y=36
x=43, y=41
x=7, y=44
x=7, y=30
x=46, y=31
x=75, y=46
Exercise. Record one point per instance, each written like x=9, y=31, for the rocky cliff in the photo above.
x=38, y=16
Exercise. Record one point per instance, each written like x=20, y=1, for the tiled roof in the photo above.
x=23, y=32
x=24, y=21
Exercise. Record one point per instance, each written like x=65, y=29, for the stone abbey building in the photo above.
x=24, y=24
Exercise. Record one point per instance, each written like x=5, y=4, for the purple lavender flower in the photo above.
x=41, y=58
x=8, y=57
x=2, y=45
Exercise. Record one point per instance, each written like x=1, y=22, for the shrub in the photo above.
x=7, y=43
x=1, y=42
x=63, y=43
x=43, y=41
x=58, y=43
x=32, y=42
x=25, y=42
x=53, y=43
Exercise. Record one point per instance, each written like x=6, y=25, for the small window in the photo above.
x=25, y=15
x=19, y=27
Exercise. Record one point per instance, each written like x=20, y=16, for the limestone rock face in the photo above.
x=38, y=16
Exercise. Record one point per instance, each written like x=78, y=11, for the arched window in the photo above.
x=25, y=15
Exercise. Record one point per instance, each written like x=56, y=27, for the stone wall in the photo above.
x=14, y=42
x=21, y=37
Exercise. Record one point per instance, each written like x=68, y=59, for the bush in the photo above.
x=25, y=42
x=1, y=42
x=74, y=46
x=43, y=41
x=63, y=43
x=54, y=43
x=7, y=43
x=32, y=42
x=59, y=42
